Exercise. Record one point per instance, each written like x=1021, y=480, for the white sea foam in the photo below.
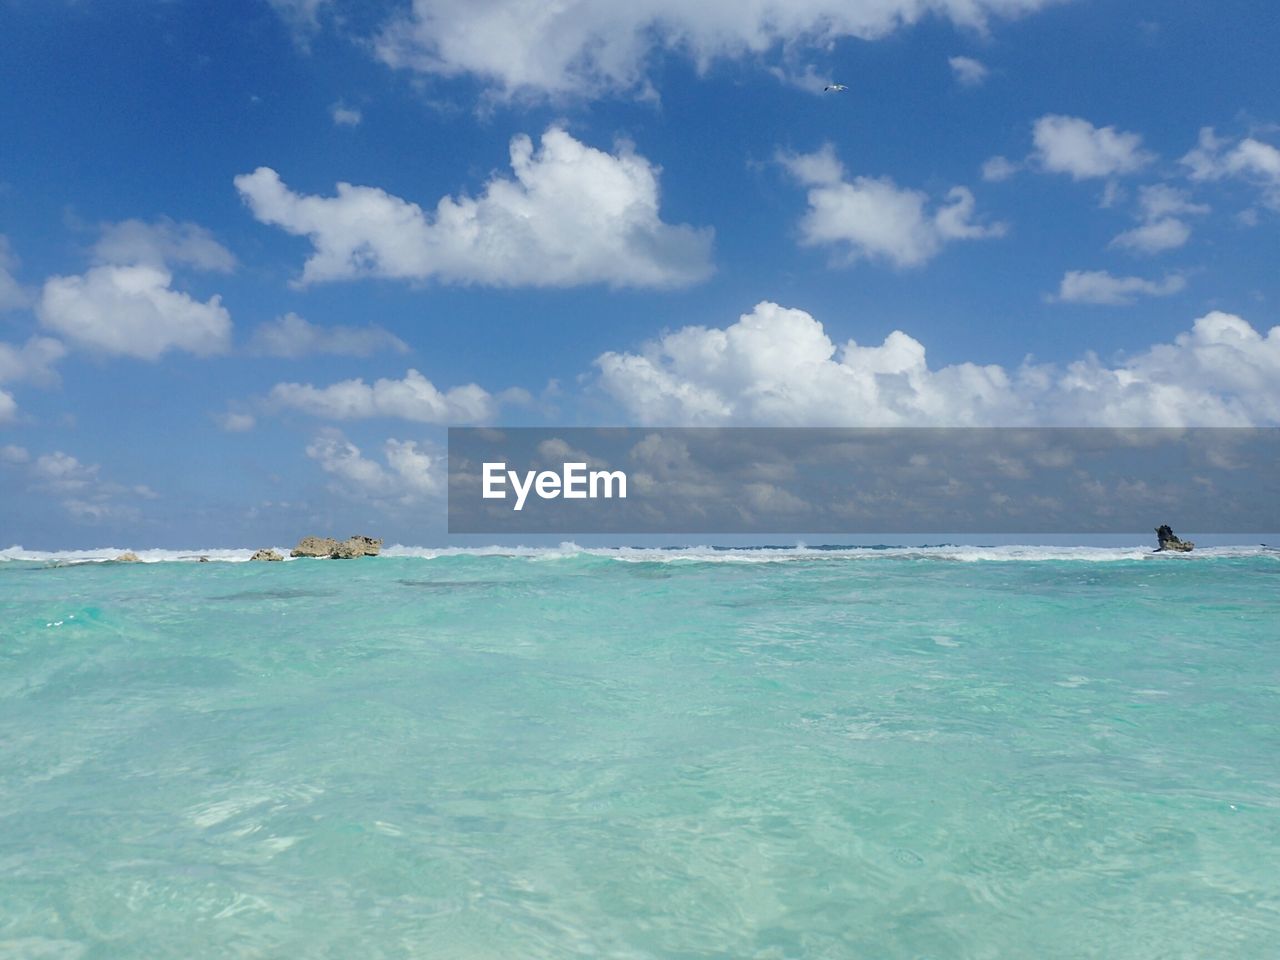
x=693, y=554
x=709, y=554
x=103, y=554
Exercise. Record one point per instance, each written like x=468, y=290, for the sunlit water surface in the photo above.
x=940, y=754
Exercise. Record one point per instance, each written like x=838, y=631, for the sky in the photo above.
x=256, y=257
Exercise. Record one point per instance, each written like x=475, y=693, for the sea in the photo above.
x=914, y=753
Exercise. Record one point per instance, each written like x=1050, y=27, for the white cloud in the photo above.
x=12, y=295
x=409, y=474
x=1248, y=159
x=62, y=473
x=413, y=398
x=1161, y=200
x=1098, y=286
x=132, y=311
x=162, y=243
x=571, y=215
x=1112, y=194
x=78, y=486
x=94, y=511
x=1167, y=233
x=344, y=116
x=8, y=407
x=32, y=362
x=235, y=422
x=1076, y=147
x=292, y=336
x=874, y=218
x=302, y=17
x=587, y=47
x=999, y=168
x=808, y=79
x=968, y=72
x=777, y=366
x=1160, y=209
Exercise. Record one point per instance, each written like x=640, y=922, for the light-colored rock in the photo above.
x=346, y=550
x=349, y=549
x=266, y=554
x=371, y=546
x=314, y=547
x=128, y=557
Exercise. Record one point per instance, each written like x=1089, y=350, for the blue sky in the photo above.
x=626, y=214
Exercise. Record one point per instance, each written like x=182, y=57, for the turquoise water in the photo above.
x=938, y=754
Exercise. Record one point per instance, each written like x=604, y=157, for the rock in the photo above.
x=1170, y=542
x=349, y=549
x=128, y=557
x=266, y=554
x=369, y=545
x=314, y=547
x=203, y=560
x=346, y=550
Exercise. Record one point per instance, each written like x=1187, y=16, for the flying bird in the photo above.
x=834, y=87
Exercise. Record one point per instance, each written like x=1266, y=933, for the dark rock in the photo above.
x=1170, y=542
x=266, y=554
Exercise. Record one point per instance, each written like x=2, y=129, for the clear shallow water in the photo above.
x=643, y=755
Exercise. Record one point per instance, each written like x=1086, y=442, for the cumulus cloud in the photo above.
x=291, y=336
x=62, y=473
x=1098, y=286
x=1160, y=212
x=133, y=311
x=999, y=168
x=344, y=116
x=409, y=472
x=569, y=215
x=161, y=243
x=1074, y=146
x=807, y=79
x=968, y=72
x=1167, y=233
x=236, y=422
x=590, y=47
x=32, y=362
x=12, y=295
x=1247, y=159
x=778, y=366
x=302, y=17
x=414, y=398
x=874, y=218
x=79, y=487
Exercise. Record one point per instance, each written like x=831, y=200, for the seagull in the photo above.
x=834, y=87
